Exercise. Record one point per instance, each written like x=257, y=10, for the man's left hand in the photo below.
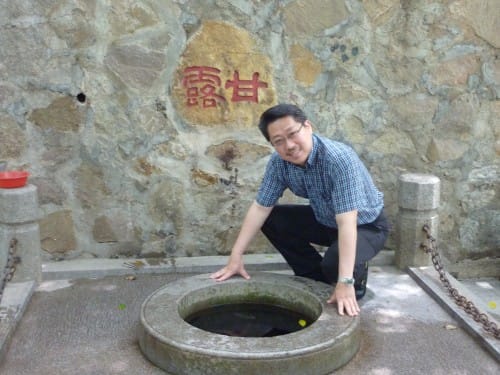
x=345, y=297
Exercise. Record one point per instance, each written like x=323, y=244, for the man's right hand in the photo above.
x=254, y=219
x=233, y=267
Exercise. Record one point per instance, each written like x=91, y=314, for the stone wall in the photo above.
x=137, y=118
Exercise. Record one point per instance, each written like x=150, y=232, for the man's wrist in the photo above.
x=346, y=280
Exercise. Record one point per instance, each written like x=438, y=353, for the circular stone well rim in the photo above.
x=302, y=302
x=168, y=341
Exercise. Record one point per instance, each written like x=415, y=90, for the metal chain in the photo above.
x=10, y=266
x=464, y=303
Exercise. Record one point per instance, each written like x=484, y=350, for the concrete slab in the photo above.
x=98, y=267
x=487, y=293
x=89, y=327
x=484, y=294
x=15, y=299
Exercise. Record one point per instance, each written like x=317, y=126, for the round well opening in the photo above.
x=250, y=310
x=327, y=341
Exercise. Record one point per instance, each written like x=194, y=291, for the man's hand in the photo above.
x=233, y=267
x=255, y=217
x=345, y=297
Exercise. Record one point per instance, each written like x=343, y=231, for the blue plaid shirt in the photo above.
x=334, y=180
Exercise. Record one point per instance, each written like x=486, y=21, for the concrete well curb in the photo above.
x=182, y=349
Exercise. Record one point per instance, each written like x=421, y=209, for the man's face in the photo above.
x=291, y=139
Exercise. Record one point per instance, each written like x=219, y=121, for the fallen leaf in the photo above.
x=122, y=306
x=134, y=265
x=138, y=263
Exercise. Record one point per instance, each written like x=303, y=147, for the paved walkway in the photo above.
x=88, y=326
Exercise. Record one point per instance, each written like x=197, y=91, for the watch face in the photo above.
x=346, y=280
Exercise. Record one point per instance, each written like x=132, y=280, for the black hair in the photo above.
x=279, y=111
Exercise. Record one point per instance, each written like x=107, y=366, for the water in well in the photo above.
x=249, y=320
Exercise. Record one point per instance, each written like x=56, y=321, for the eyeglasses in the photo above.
x=280, y=142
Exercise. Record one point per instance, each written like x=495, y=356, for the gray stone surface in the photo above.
x=90, y=327
x=410, y=236
x=418, y=204
x=419, y=192
x=484, y=294
x=19, y=214
x=476, y=269
x=323, y=346
x=57, y=232
x=27, y=249
x=15, y=299
x=19, y=206
x=91, y=100
x=95, y=267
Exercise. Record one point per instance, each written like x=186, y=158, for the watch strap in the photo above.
x=346, y=280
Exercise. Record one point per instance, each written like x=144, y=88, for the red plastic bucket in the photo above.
x=13, y=179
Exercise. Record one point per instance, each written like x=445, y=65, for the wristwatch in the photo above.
x=346, y=280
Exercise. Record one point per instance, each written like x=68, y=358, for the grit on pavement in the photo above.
x=89, y=326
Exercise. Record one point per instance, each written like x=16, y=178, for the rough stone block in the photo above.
x=19, y=205
x=57, y=232
x=409, y=237
x=27, y=249
x=418, y=203
x=4, y=249
x=19, y=214
x=418, y=192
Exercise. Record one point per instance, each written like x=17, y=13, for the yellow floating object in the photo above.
x=302, y=323
x=492, y=305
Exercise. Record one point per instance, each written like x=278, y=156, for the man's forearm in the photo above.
x=254, y=219
x=347, y=227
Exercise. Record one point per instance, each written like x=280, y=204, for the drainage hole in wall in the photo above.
x=81, y=97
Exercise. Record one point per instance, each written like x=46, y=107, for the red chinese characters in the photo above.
x=201, y=83
x=245, y=90
x=203, y=87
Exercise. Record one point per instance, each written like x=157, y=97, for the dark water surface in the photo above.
x=249, y=320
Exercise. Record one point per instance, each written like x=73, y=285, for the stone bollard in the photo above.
x=418, y=204
x=19, y=214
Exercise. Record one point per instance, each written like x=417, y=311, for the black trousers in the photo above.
x=293, y=228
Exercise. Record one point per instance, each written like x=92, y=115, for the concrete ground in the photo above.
x=88, y=326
